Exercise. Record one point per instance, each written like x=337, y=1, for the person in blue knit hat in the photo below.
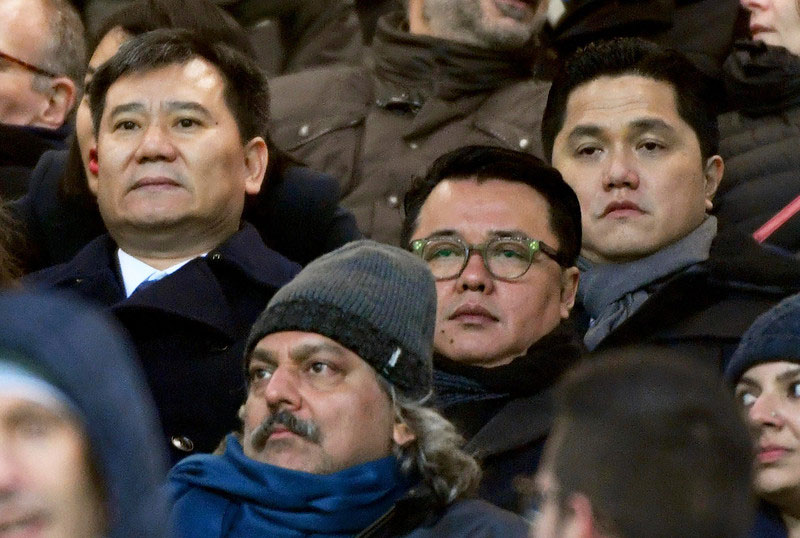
x=337, y=437
x=765, y=370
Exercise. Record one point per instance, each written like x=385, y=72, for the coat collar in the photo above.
x=194, y=292
x=692, y=303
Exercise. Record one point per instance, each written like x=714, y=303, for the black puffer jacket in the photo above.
x=760, y=141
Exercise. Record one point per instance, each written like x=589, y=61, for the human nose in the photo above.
x=766, y=411
x=282, y=389
x=475, y=276
x=753, y=5
x=621, y=172
x=155, y=144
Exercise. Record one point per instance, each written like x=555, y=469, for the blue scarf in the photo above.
x=234, y=496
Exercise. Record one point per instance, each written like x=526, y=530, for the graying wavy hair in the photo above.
x=435, y=454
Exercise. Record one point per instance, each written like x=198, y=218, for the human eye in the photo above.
x=794, y=389
x=125, y=125
x=321, y=368
x=745, y=396
x=438, y=250
x=258, y=372
x=509, y=250
x=651, y=146
x=187, y=123
x=588, y=150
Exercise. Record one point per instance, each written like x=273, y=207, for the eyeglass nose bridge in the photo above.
x=482, y=249
x=479, y=249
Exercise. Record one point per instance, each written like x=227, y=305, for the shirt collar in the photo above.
x=135, y=271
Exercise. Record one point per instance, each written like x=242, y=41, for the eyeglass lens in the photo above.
x=505, y=258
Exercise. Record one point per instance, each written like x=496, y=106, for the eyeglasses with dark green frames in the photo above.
x=505, y=258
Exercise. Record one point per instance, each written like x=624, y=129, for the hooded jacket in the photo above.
x=85, y=356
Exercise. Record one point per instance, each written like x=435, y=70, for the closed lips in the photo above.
x=620, y=206
x=472, y=310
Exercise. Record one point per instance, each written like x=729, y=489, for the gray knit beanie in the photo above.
x=774, y=336
x=376, y=300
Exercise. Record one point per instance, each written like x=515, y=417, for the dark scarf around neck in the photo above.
x=527, y=375
x=430, y=67
x=265, y=500
x=761, y=79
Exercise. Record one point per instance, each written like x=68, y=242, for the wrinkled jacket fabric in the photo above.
x=189, y=328
x=759, y=141
x=705, y=309
x=376, y=127
x=86, y=356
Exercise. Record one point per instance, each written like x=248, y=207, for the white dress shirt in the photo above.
x=134, y=271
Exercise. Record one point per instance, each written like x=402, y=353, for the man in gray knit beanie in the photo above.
x=375, y=300
x=336, y=438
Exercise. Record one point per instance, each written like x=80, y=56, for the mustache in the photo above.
x=298, y=426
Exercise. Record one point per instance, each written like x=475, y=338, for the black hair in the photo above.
x=655, y=441
x=246, y=92
x=694, y=92
x=483, y=163
x=136, y=18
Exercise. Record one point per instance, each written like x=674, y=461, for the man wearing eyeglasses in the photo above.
x=42, y=57
x=500, y=231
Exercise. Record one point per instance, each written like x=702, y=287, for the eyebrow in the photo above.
x=171, y=106
x=587, y=130
x=651, y=124
x=303, y=351
x=127, y=107
x=491, y=233
x=638, y=126
x=788, y=374
x=298, y=353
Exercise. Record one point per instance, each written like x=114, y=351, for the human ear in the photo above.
x=92, y=178
x=713, y=172
x=569, y=288
x=61, y=95
x=402, y=434
x=256, y=157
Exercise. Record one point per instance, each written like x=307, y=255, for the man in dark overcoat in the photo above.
x=178, y=123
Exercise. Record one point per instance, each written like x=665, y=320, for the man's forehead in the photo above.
x=486, y=208
x=626, y=99
x=194, y=80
